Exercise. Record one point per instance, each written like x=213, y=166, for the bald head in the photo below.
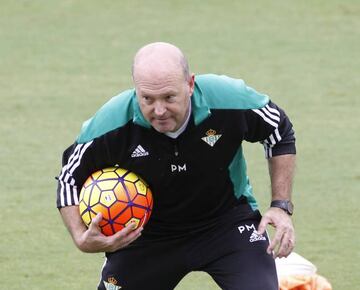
x=160, y=58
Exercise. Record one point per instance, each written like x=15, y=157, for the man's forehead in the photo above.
x=150, y=87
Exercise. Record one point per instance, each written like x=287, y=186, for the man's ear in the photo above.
x=191, y=84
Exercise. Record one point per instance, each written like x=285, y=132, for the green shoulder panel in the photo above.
x=223, y=92
x=113, y=114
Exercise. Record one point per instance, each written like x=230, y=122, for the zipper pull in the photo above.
x=176, y=150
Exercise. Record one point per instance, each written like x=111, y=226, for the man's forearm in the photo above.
x=281, y=169
x=73, y=222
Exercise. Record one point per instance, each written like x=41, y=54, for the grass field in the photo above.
x=60, y=60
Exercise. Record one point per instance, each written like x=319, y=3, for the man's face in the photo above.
x=164, y=99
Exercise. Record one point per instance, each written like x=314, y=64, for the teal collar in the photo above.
x=138, y=116
x=200, y=108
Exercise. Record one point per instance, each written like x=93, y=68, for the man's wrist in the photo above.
x=285, y=205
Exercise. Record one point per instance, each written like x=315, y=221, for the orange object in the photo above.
x=304, y=282
x=297, y=273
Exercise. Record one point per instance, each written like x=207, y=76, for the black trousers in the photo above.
x=231, y=252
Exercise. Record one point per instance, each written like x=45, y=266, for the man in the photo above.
x=205, y=216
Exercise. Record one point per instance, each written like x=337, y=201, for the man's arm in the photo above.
x=281, y=170
x=91, y=240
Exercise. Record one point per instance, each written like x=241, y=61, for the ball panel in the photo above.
x=131, y=190
x=138, y=212
x=125, y=216
x=107, y=198
x=141, y=201
x=132, y=177
x=120, y=192
x=107, y=230
x=149, y=198
x=85, y=195
x=86, y=217
x=121, y=172
x=82, y=206
x=95, y=176
x=107, y=184
x=108, y=175
x=93, y=194
x=141, y=187
x=103, y=209
x=117, y=209
x=117, y=227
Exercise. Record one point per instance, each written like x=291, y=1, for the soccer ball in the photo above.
x=120, y=195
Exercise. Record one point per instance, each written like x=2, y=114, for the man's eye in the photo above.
x=170, y=98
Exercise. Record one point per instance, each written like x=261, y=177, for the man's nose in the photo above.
x=159, y=109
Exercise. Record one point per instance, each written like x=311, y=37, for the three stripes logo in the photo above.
x=139, y=152
x=272, y=117
x=255, y=236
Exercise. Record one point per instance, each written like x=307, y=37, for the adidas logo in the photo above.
x=256, y=237
x=139, y=152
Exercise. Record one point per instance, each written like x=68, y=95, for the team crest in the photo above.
x=211, y=138
x=111, y=284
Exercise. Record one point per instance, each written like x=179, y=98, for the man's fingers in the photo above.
x=282, y=244
x=262, y=226
x=124, y=237
x=274, y=242
x=132, y=236
x=286, y=246
x=96, y=221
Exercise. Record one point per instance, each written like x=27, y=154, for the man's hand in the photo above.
x=284, y=239
x=92, y=240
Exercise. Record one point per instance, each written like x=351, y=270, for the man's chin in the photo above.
x=163, y=129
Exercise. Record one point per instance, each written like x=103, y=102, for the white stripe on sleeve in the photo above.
x=68, y=190
x=266, y=119
x=271, y=115
x=272, y=110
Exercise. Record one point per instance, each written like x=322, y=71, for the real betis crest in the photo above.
x=211, y=138
x=111, y=284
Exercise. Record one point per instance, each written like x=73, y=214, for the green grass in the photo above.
x=61, y=59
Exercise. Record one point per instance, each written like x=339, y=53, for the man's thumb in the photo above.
x=96, y=220
x=262, y=226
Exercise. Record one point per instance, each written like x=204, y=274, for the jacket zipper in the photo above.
x=176, y=149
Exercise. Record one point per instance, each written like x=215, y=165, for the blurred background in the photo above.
x=61, y=60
